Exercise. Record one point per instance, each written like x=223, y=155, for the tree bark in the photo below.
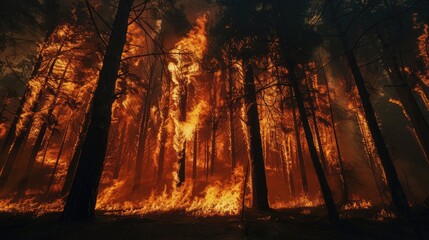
x=143, y=132
x=77, y=149
x=324, y=186
x=11, y=134
x=57, y=161
x=398, y=196
x=195, y=155
x=299, y=151
x=20, y=138
x=259, y=184
x=231, y=119
x=38, y=143
x=343, y=181
x=80, y=203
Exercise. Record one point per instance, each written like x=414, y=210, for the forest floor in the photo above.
x=293, y=224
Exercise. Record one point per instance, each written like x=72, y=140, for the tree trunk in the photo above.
x=121, y=150
x=77, y=149
x=81, y=201
x=57, y=161
x=144, y=126
x=398, y=196
x=231, y=119
x=38, y=143
x=11, y=134
x=326, y=190
x=299, y=152
x=163, y=131
x=259, y=184
x=195, y=155
x=213, y=147
x=409, y=104
x=344, y=185
x=23, y=133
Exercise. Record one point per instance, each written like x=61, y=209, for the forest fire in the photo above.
x=179, y=110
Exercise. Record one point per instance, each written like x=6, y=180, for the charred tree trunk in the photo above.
x=341, y=170
x=326, y=190
x=163, y=131
x=195, y=155
x=36, y=148
x=81, y=201
x=207, y=164
x=48, y=142
x=11, y=134
x=77, y=149
x=398, y=196
x=23, y=133
x=299, y=152
x=259, y=184
x=181, y=157
x=313, y=109
x=231, y=119
x=410, y=105
x=117, y=166
x=144, y=126
x=213, y=147
x=57, y=161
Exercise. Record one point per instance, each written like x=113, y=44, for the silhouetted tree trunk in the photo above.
x=313, y=111
x=299, y=152
x=122, y=148
x=213, y=145
x=57, y=161
x=409, y=103
x=181, y=155
x=23, y=133
x=231, y=119
x=398, y=195
x=195, y=155
x=144, y=126
x=163, y=129
x=37, y=144
x=259, y=184
x=11, y=134
x=82, y=198
x=326, y=191
x=207, y=164
x=77, y=149
x=341, y=171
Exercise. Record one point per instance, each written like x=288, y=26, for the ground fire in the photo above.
x=192, y=119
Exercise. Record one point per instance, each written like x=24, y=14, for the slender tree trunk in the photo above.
x=23, y=133
x=36, y=148
x=231, y=119
x=77, y=149
x=57, y=161
x=259, y=184
x=398, y=196
x=11, y=134
x=163, y=132
x=213, y=147
x=143, y=132
x=207, y=154
x=299, y=152
x=344, y=185
x=326, y=190
x=122, y=153
x=195, y=155
x=181, y=155
x=48, y=142
x=409, y=104
x=81, y=201
x=316, y=127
